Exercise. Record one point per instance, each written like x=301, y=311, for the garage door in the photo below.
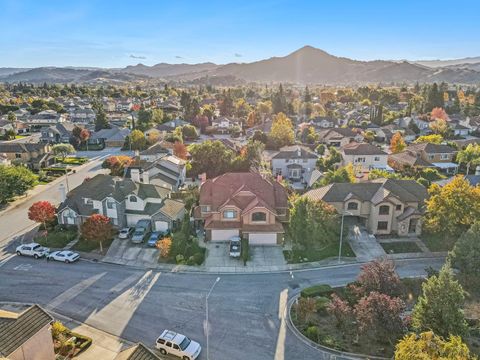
x=161, y=226
x=223, y=235
x=262, y=239
x=133, y=219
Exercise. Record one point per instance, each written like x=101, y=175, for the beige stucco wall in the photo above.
x=38, y=347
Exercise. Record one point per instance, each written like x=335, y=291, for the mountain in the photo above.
x=307, y=65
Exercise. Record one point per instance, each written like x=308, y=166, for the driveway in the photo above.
x=364, y=245
x=261, y=258
x=125, y=253
x=109, y=151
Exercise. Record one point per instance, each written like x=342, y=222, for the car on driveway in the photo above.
x=32, y=249
x=170, y=342
x=125, y=233
x=142, y=229
x=235, y=247
x=154, y=237
x=65, y=256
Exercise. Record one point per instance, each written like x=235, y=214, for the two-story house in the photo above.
x=169, y=171
x=364, y=157
x=295, y=163
x=157, y=151
x=46, y=118
x=339, y=137
x=33, y=155
x=58, y=133
x=223, y=125
x=243, y=204
x=425, y=155
x=114, y=137
x=384, y=206
x=124, y=201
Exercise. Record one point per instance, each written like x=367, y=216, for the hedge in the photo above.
x=317, y=290
x=85, y=341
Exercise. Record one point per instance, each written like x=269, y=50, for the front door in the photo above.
x=412, y=227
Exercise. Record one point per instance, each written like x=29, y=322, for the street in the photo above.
x=245, y=310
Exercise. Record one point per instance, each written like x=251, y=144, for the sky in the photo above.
x=104, y=33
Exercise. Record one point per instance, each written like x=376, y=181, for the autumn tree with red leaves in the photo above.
x=180, y=150
x=438, y=114
x=97, y=228
x=117, y=164
x=380, y=276
x=42, y=212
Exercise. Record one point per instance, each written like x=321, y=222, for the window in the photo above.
x=133, y=199
x=444, y=156
x=110, y=204
x=360, y=159
x=278, y=171
x=205, y=208
x=382, y=225
x=398, y=207
x=377, y=158
x=160, y=341
x=229, y=214
x=352, y=206
x=384, y=210
x=175, y=346
x=431, y=157
x=18, y=156
x=259, y=216
x=169, y=344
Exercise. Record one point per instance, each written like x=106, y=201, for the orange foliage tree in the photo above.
x=180, y=150
x=439, y=113
x=164, y=246
x=397, y=143
x=97, y=228
x=117, y=164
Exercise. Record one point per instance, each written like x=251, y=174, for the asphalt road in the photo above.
x=245, y=309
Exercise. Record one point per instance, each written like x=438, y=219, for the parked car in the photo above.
x=154, y=237
x=170, y=342
x=235, y=246
x=32, y=249
x=125, y=233
x=65, y=256
x=142, y=229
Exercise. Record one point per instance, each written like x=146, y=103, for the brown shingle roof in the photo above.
x=137, y=352
x=355, y=148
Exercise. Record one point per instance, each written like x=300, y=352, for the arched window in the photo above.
x=352, y=205
x=259, y=216
x=384, y=210
x=133, y=198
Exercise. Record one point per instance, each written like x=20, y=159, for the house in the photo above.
x=339, y=137
x=157, y=151
x=26, y=335
x=45, y=118
x=364, y=157
x=223, y=125
x=58, y=133
x=422, y=124
x=136, y=352
x=425, y=155
x=114, y=137
x=82, y=115
x=473, y=123
x=295, y=163
x=5, y=126
x=163, y=129
x=459, y=130
x=124, y=201
x=168, y=171
x=243, y=204
x=323, y=122
x=384, y=206
x=33, y=155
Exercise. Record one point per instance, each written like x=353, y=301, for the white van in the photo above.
x=179, y=345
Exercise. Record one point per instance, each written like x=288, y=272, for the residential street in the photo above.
x=245, y=309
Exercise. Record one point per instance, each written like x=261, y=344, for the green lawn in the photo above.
x=438, y=242
x=57, y=238
x=329, y=251
x=400, y=247
x=88, y=246
x=71, y=160
x=20, y=136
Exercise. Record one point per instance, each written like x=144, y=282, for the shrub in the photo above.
x=317, y=290
x=180, y=259
x=245, y=251
x=313, y=333
x=322, y=304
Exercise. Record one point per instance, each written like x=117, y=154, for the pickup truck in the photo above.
x=32, y=249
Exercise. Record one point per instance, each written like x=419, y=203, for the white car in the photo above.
x=65, y=256
x=125, y=233
x=179, y=345
x=32, y=249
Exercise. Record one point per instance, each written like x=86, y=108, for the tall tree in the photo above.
x=135, y=141
x=397, y=144
x=63, y=150
x=42, y=212
x=101, y=121
x=465, y=255
x=282, y=132
x=439, y=308
x=97, y=228
x=469, y=156
x=210, y=157
x=15, y=181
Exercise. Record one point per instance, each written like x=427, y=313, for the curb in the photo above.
x=321, y=348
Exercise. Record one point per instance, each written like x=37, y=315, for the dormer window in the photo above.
x=133, y=198
x=259, y=216
x=229, y=214
x=352, y=206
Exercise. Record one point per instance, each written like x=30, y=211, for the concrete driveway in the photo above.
x=125, y=253
x=261, y=258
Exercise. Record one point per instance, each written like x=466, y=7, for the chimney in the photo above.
x=135, y=175
x=145, y=177
x=477, y=170
x=63, y=193
x=299, y=151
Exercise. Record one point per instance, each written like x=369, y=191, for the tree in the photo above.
x=313, y=224
x=144, y=119
x=320, y=149
x=210, y=157
x=428, y=346
x=380, y=315
x=42, y=212
x=465, y=255
x=188, y=132
x=180, y=150
x=242, y=108
x=84, y=135
x=157, y=116
x=282, y=132
x=397, y=144
x=342, y=312
x=305, y=309
x=97, y=228
x=135, y=141
x=164, y=246
x=117, y=164
x=63, y=150
x=15, y=181
x=453, y=208
x=469, y=156
x=439, y=127
x=11, y=117
x=439, y=113
x=101, y=121
x=433, y=139
x=341, y=175
x=439, y=307
x=380, y=276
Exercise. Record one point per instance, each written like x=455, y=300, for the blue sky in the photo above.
x=118, y=33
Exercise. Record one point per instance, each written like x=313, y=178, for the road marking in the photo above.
x=4, y=261
x=125, y=282
x=74, y=291
x=23, y=267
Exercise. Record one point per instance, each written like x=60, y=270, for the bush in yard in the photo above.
x=439, y=308
x=322, y=304
x=380, y=315
x=317, y=290
x=380, y=276
x=305, y=309
x=313, y=333
x=245, y=250
x=341, y=310
x=97, y=228
x=427, y=345
x=164, y=246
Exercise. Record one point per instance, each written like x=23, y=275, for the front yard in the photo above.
x=400, y=247
x=437, y=242
x=57, y=238
x=296, y=255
